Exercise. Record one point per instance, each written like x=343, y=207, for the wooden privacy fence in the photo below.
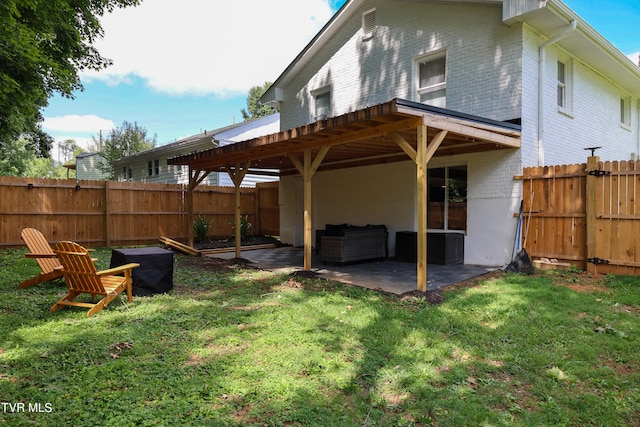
x=109, y=213
x=584, y=214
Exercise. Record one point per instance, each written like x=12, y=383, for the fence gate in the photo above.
x=613, y=221
x=584, y=214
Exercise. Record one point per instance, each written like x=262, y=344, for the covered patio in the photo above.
x=394, y=131
x=389, y=275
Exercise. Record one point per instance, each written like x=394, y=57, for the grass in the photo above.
x=242, y=347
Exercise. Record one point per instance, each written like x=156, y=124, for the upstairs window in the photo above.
x=564, y=86
x=432, y=80
x=625, y=112
x=322, y=105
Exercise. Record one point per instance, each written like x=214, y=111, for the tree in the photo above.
x=68, y=149
x=43, y=47
x=253, y=103
x=128, y=139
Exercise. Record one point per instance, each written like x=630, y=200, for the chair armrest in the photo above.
x=32, y=255
x=119, y=269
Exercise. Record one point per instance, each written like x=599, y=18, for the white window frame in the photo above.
x=317, y=94
x=564, y=101
x=625, y=112
x=442, y=86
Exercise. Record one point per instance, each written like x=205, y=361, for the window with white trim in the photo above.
x=127, y=173
x=564, y=86
x=153, y=167
x=322, y=103
x=625, y=112
x=432, y=80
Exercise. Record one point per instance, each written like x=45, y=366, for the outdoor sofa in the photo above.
x=344, y=243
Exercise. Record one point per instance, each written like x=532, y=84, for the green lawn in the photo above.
x=242, y=347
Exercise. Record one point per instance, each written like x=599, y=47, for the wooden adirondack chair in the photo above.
x=82, y=277
x=43, y=254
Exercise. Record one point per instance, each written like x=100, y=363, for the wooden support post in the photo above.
x=307, y=169
x=421, y=177
x=592, y=182
x=307, y=210
x=421, y=156
x=237, y=174
x=107, y=204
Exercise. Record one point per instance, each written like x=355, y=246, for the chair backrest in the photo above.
x=37, y=244
x=78, y=268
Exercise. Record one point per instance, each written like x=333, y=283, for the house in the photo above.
x=87, y=166
x=151, y=165
x=419, y=114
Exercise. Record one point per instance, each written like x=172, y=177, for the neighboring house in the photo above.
x=151, y=165
x=509, y=83
x=87, y=166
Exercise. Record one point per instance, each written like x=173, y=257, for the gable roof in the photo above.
x=548, y=17
x=199, y=142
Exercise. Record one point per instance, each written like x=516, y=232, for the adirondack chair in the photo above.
x=82, y=277
x=41, y=251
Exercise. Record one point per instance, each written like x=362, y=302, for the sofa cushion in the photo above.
x=335, y=229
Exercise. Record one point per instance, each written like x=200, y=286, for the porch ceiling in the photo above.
x=363, y=137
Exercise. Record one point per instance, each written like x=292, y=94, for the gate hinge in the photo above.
x=598, y=172
x=598, y=261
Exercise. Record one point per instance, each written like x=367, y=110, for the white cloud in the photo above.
x=75, y=123
x=635, y=57
x=204, y=47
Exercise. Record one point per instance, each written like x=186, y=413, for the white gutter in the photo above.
x=541, y=66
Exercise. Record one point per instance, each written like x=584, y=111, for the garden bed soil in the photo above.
x=230, y=242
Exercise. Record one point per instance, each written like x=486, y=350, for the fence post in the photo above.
x=592, y=164
x=107, y=216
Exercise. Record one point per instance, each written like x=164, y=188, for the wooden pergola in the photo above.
x=394, y=131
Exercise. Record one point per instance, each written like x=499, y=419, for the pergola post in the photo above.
x=421, y=156
x=195, y=178
x=421, y=179
x=237, y=174
x=307, y=169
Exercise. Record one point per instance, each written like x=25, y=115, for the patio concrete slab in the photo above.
x=386, y=275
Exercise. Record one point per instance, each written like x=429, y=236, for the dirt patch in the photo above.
x=579, y=281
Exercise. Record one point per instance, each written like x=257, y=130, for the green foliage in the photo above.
x=239, y=347
x=246, y=228
x=201, y=228
x=43, y=46
x=128, y=139
x=254, y=108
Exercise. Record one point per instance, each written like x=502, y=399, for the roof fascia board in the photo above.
x=584, y=30
x=596, y=38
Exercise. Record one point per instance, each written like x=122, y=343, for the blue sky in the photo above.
x=185, y=70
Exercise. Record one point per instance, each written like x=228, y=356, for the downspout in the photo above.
x=541, y=66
